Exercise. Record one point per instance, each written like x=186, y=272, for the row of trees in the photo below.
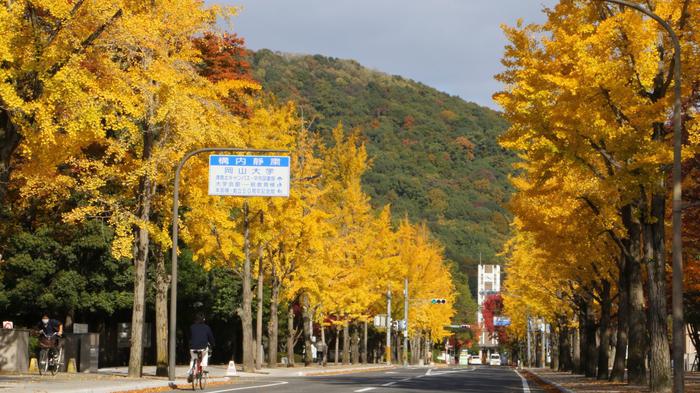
x=98, y=102
x=589, y=95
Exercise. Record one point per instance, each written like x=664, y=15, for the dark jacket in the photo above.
x=201, y=336
x=50, y=328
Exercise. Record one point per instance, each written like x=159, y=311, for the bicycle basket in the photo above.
x=46, y=342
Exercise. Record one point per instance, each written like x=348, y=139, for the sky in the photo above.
x=452, y=45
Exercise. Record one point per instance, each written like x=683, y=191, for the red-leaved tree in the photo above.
x=225, y=57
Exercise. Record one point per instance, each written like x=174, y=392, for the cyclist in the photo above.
x=50, y=331
x=50, y=326
x=201, y=339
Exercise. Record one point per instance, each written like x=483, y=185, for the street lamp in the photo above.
x=677, y=245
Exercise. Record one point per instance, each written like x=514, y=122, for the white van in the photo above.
x=495, y=359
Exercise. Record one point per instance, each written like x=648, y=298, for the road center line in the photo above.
x=365, y=389
x=251, y=387
x=526, y=388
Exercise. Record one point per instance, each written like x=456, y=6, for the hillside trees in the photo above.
x=449, y=173
x=589, y=101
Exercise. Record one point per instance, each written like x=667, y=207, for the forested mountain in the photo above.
x=435, y=156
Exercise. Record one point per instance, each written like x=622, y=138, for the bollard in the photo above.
x=33, y=365
x=231, y=371
x=71, y=368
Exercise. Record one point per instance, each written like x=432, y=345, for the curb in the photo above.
x=548, y=382
x=342, y=371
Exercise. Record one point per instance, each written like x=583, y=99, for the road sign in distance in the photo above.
x=501, y=321
x=249, y=176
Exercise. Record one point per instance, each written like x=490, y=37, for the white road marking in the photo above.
x=389, y=384
x=365, y=389
x=526, y=388
x=451, y=371
x=251, y=387
x=430, y=370
x=391, y=372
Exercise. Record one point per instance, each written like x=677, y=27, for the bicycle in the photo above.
x=200, y=376
x=51, y=354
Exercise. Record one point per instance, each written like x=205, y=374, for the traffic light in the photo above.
x=438, y=301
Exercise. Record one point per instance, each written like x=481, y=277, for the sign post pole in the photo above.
x=176, y=201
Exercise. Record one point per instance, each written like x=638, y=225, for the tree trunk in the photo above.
x=140, y=260
x=162, y=284
x=246, y=310
x=565, y=361
x=660, y=379
x=346, y=343
x=137, y=319
x=259, y=322
x=9, y=141
x=589, y=339
x=554, y=340
x=306, y=317
x=577, y=350
x=355, y=346
x=604, y=329
x=337, y=341
x=364, y=343
x=324, y=347
x=273, y=324
x=637, y=346
x=428, y=349
x=618, y=370
x=291, y=332
x=415, y=348
x=70, y=319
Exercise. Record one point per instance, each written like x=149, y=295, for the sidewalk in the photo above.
x=116, y=379
x=567, y=382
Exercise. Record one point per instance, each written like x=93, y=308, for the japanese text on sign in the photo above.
x=249, y=175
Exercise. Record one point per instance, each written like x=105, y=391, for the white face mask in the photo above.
x=45, y=321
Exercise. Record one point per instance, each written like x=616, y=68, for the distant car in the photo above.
x=495, y=359
x=474, y=359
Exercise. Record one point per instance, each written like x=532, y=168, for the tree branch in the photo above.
x=53, y=70
x=61, y=24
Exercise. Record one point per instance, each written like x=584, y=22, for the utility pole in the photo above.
x=405, y=318
x=529, y=353
x=388, y=327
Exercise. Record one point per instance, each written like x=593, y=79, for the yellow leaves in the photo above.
x=103, y=133
x=589, y=101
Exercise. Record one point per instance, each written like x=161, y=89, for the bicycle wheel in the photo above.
x=54, y=361
x=195, y=376
x=203, y=379
x=43, y=361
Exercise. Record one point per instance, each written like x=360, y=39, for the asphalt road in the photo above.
x=418, y=380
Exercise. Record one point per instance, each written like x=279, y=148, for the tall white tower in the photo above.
x=489, y=282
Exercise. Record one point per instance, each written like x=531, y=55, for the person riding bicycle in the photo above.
x=201, y=339
x=49, y=327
